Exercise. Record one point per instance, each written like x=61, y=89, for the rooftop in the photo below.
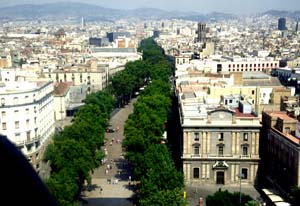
x=61, y=88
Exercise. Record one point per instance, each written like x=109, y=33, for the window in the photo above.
x=3, y=113
x=16, y=112
x=4, y=126
x=17, y=125
x=196, y=173
x=287, y=130
x=27, y=123
x=27, y=111
x=15, y=100
x=220, y=150
x=245, y=150
x=196, y=136
x=196, y=149
x=245, y=136
x=2, y=101
x=221, y=136
x=253, y=92
x=28, y=135
x=244, y=173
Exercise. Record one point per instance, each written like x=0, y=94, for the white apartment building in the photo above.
x=216, y=64
x=27, y=115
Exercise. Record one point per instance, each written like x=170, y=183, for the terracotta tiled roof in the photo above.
x=240, y=114
x=60, y=88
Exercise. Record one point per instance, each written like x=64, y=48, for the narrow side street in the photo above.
x=111, y=181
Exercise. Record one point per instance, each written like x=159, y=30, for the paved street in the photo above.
x=110, y=182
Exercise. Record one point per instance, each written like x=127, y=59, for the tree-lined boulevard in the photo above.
x=78, y=151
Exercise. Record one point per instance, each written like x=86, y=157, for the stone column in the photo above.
x=203, y=170
x=188, y=172
x=232, y=172
x=189, y=142
x=204, y=143
x=185, y=171
x=208, y=171
x=233, y=143
x=253, y=143
x=257, y=143
x=238, y=145
x=208, y=142
x=251, y=173
x=185, y=142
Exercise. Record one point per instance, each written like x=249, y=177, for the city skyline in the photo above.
x=200, y=6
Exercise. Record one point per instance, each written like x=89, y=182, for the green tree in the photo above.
x=63, y=187
x=226, y=198
x=295, y=195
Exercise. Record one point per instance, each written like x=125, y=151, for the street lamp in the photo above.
x=240, y=176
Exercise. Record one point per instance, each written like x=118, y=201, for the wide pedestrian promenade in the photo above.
x=111, y=185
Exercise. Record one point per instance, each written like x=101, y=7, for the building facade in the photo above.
x=220, y=145
x=280, y=152
x=27, y=116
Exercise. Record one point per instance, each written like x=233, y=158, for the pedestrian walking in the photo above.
x=100, y=190
x=106, y=171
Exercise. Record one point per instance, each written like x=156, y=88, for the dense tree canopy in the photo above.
x=76, y=150
x=160, y=182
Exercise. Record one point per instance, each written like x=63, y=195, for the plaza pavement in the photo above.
x=195, y=192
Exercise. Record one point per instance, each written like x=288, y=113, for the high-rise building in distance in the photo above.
x=282, y=24
x=201, y=32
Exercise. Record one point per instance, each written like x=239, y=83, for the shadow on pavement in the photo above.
x=108, y=201
x=91, y=187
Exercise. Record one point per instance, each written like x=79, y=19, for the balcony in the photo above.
x=28, y=141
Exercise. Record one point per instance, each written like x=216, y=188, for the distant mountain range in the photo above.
x=73, y=10
x=94, y=12
x=68, y=10
x=290, y=14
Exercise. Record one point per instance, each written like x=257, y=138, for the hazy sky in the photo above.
x=202, y=6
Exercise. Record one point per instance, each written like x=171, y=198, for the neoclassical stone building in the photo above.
x=220, y=144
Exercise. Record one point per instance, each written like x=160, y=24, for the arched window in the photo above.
x=16, y=100
x=2, y=101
